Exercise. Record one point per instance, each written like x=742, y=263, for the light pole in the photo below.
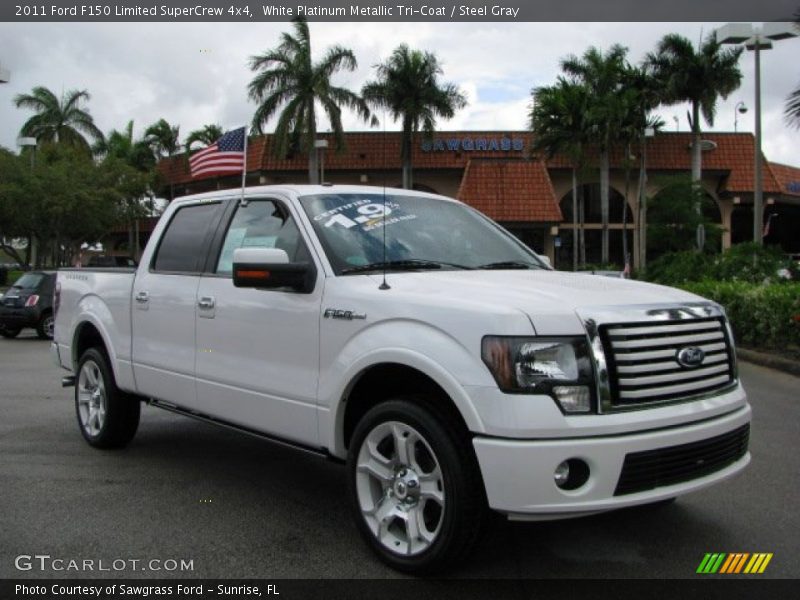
x=739, y=109
x=30, y=142
x=756, y=39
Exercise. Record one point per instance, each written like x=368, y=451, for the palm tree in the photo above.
x=408, y=85
x=698, y=77
x=121, y=145
x=558, y=118
x=793, y=101
x=163, y=138
x=286, y=77
x=604, y=76
x=206, y=135
x=58, y=120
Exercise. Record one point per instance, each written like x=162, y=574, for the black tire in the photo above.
x=8, y=333
x=95, y=388
x=463, y=512
x=44, y=328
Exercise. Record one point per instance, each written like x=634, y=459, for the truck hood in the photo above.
x=551, y=299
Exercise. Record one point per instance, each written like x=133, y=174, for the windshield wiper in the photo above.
x=508, y=264
x=409, y=264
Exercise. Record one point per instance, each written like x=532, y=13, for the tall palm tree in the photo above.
x=206, y=135
x=558, y=119
x=137, y=154
x=287, y=79
x=699, y=77
x=163, y=138
x=408, y=86
x=604, y=76
x=58, y=120
x=123, y=146
x=793, y=101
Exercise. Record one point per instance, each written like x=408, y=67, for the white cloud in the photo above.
x=193, y=74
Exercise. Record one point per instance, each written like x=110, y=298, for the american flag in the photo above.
x=223, y=157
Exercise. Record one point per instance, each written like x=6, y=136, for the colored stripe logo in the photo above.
x=734, y=563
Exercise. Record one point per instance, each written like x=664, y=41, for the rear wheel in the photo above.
x=415, y=486
x=107, y=416
x=44, y=328
x=7, y=332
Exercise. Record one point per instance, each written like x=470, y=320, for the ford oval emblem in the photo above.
x=690, y=357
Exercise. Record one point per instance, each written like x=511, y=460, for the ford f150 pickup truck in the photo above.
x=412, y=337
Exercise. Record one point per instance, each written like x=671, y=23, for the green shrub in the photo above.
x=744, y=262
x=762, y=316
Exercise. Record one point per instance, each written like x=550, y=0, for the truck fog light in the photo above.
x=573, y=398
x=561, y=474
x=571, y=474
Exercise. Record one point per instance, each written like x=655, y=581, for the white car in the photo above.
x=412, y=337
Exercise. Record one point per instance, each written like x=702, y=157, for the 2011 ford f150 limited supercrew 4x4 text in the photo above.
x=411, y=336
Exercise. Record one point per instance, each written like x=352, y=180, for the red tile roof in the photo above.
x=510, y=190
x=788, y=178
x=732, y=158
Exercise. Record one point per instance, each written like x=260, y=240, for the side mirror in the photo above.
x=269, y=268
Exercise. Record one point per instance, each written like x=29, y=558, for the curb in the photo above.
x=772, y=361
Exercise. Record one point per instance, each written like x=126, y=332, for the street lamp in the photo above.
x=739, y=109
x=756, y=39
x=30, y=142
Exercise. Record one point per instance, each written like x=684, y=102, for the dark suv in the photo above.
x=29, y=303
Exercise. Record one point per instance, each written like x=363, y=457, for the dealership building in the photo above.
x=530, y=194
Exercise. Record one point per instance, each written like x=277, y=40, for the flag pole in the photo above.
x=244, y=164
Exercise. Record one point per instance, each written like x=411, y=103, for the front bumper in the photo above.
x=18, y=318
x=518, y=474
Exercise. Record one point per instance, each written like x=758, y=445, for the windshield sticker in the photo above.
x=368, y=215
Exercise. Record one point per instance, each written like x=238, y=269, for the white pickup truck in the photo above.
x=410, y=336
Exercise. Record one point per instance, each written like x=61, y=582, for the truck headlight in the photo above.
x=557, y=366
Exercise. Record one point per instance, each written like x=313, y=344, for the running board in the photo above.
x=68, y=381
x=318, y=452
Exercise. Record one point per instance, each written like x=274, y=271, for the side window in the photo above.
x=262, y=224
x=182, y=246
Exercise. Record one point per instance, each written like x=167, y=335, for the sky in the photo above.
x=196, y=73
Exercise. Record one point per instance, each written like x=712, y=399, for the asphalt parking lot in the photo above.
x=242, y=508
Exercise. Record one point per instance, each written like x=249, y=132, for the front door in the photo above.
x=258, y=350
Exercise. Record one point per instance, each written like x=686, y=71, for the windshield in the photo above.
x=29, y=281
x=421, y=233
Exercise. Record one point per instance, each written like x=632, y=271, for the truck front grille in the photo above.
x=642, y=360
x=651, y=469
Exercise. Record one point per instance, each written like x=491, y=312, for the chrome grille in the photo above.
x=643, y=363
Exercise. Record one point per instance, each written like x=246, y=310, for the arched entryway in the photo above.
x=589, y=209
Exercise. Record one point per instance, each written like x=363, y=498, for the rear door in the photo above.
x=257, y=349
x=164, y=306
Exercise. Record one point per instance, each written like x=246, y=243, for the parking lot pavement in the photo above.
x=240, y=507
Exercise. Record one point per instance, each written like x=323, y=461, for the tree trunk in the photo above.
x=625, y=205
x=313, y=167
x=574, y=218
x=581, y=216
x=604, y=192
x=643, y=205
x=405, y=154
x=697, y=151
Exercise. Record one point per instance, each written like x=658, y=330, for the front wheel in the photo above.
x=415, y=485
x=107, y=416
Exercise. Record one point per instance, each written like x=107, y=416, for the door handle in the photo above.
x=206, y=302
x=142, y=297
